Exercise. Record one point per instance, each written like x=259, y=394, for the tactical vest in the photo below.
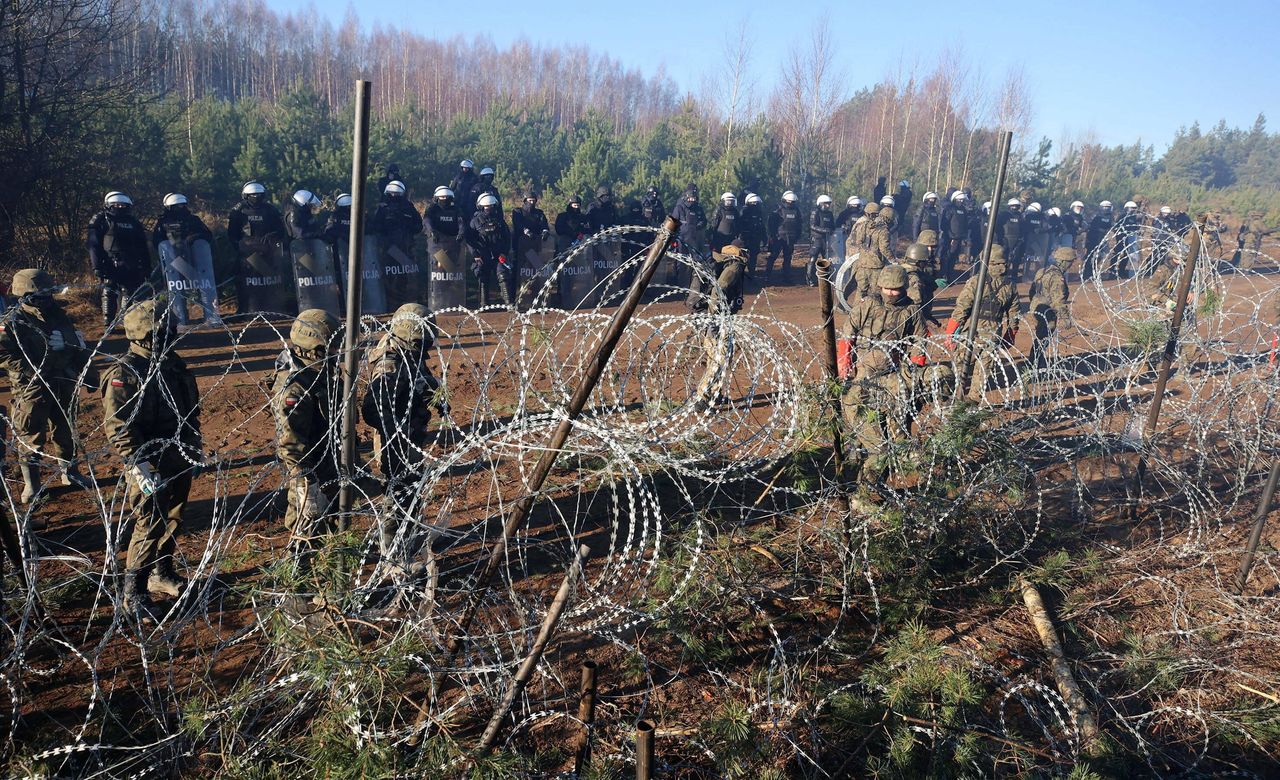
x=115, y=224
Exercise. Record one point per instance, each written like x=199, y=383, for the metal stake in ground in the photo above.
x=586, y=714
x=525, y=672
x=1166, y=360
x=644, y=750
x=966, y=366
x=1259, y=522
x=355, y=274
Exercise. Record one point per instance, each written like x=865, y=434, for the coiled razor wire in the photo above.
x=723, y=565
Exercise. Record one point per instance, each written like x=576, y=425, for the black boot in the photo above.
x=136, y=599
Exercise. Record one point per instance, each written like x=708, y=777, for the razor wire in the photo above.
x=722, y=558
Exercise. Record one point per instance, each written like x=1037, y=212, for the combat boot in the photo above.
x=71, y=477
x=30, y=482
x=136, y=598
x=164, y=580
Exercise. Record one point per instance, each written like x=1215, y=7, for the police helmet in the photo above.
x=306, y=198
x=314, y=329
x=143, y=319
x=467, y=165
x=411, y=325
x=1033, y=207
x=789, y=197
x=253, y=188
x=116, y=200
x=1054, y=212
x=1106, y=204
x=903, y=183
x=1128, y=204
x=486, y=171
x=174, y=199
x=394, y=188
x=931, y=196
x=442, y=192
x=1013, y=202
x=823, y=199
x=343, y=201
x=853, y=201
x=928, y=237
x=1165, y=211
x=958, y=195
x=888, y=200
x=893, y=277
x=752, y=198
x=729, y=199
x=486, y=199
x=1075, y=204
x=31, y=281
x=918, y=253
x=986, y=206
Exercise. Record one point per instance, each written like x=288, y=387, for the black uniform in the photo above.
x=117, y=245
x=302, y=223
x=822, y=223
x=902, y=205
x=784, y=226
x=483, y=186
x=652, y=210
x=461, y=186
x=602, y=213
x=927, y=218
x=693, y=225
x=1011, y=233
x=846, y=218
x=878, y=191
x=1095, y=237
x=752, y=232
x=396, y=220
x=444, y=220
x=338, y=227
x=490, y=242
x=529, y=228
x=571, y=226
x=724, y=226
x=255, y=227
x=179, y=226
x=392, y=174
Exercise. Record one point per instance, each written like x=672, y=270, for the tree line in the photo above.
x=199, y=96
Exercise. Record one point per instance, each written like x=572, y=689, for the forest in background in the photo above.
x=199, y=96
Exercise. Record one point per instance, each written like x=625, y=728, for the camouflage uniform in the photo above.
x=44, y=357
x=871, y=242
x=1050, y=301
x=877, y=402
x=306, y=416
x=1252, y=231
x=151, y=414
x=997, y=319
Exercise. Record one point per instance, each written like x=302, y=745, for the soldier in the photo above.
x=300, y=218
x=151, y=414
x=402, y=391
x=1252, y=231
x=870, y=260
x=571, y=224
x=462, y=184
x=490, y=242
x=1096, y=237
x=302, y=401
x=920, y=288
x=822, y=223
x=927, y=218
x=254, y=226
x=45, y=358
x=886, y=335
x=1214, y=227
x=784, y=227
x=117, y=245
x=1050, y=301
x=724, y=222
x=997, y=319
x=929, y=238
x=753, y=229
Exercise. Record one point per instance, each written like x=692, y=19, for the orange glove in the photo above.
x=952, y=327
x=1275, y=344
x=919, y=360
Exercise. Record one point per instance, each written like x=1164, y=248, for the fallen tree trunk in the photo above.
x=1076, y=702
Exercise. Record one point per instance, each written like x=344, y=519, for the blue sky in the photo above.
x=1124, y=70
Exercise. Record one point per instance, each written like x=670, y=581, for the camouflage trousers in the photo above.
x=156, y=517
x=865, y=279
x=879, y=411
x=45, y=412
x=310, y=513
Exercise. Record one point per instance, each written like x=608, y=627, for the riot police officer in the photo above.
x=724, y=222
x=784, y=227
x=490, y=242
x=300, y=220
x=254, y=227
x=571, y=224
x=181, y=229
x=117, y=245
x=461, y=186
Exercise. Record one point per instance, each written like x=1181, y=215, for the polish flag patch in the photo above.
x=117, y=383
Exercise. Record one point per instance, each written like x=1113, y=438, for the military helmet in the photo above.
x=918, y=253
x=928, y=237
x=412, y=325
x=1064, y=254
x=893, y=277
x=141, y=319
x=887, y=213
x=30, y=281
x=872, y=209
x=313, y=329
x=997, y=254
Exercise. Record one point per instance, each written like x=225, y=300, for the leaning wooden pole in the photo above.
x=355, y=265
x=1259, y=522
x=1076, y=702
x=587, y=715
x=1166, y=360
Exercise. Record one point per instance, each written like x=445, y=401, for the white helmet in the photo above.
x=824, y=199
x=856, y=201
x=343, y=201
x=1166, y=210
x=1106, y=204
x=253, y=188
x=958, y=195
x=789, y=196
x=116, y=199
x=305, y=198
x=753, y=198
x=931, y=196
x=486, y=171
x=486, y=199
x=442, y=192
x=903, y=183
x=1075, y=204
x=1055, y=212
x=468, y=164
x=1033, y=207
x=729, y=198
x=986, y=206
x=887, y=200
x=1014, y=202
x=175, y=199
x=1130, y=204
x=394, y=188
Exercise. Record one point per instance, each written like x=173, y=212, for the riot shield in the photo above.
x=372, y=298
x=188, y=273
x=578, y=280
x=401, y=271
x=315, y=276
x=448, y=287
x=534, y=264
x=608, y=256
x=267, y=282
